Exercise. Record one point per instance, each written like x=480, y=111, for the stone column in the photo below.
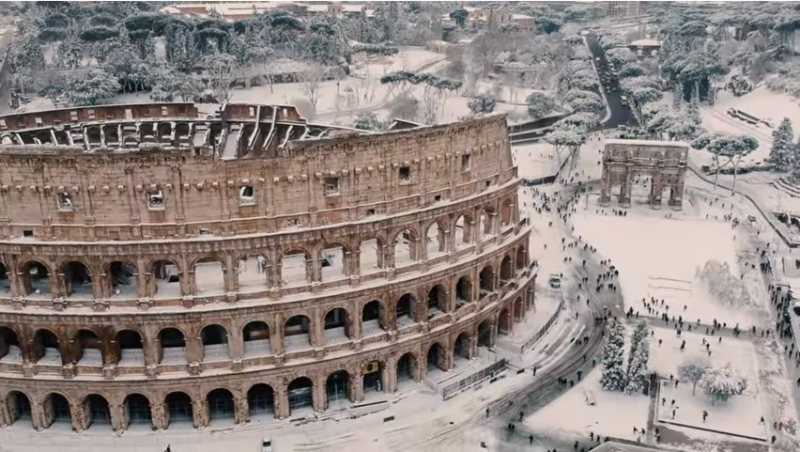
x=389, y=255
x=200, y=412
x=276, y=335
x=230, y=275
x=235, y=344
x=241, y=410
x=80, y=417
x=42, y=415
x=159, y=415
x=625, y=189
x=119, y=421
x=194, y=349
x=6, y=417
x=472, y=345
x=605, y=185
x=320, y=401
x=676, y=196
x=317, y=329
x=656, y=189
x=314, y=269
x=281, y=402
x=356, y=387
x=187, y=282
x=151, y=347
x=143, y=277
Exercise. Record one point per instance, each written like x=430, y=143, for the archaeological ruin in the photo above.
x=164, y=266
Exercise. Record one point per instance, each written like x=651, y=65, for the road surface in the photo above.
x=619, y=115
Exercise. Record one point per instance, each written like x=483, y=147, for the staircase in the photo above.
x=787, y=186
x=124, y=274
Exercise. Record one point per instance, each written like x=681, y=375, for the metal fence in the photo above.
x=543, y=329
x=452, y=390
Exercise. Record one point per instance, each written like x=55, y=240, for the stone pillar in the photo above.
x=472, y=344
x=119, y=421
x=354, y=263
x=355, y=390
x=6, y=418
x=151, y=348
x=414, y=246
x=317, y=328
x=389, y=255
x=160, y=416
x=143, y=277
x=282, y=402
x=240, y=410
x=194, y=349
x=230, y=275
x=355, y=325
x=656, y=189
x=200, y=412
x=58, y=287
x=275, y=275
x=605, y=185
x=235, y=343
x=676, y=197
x=276, y=336
x=318, y=394
x=80, y=416
x=626, y=188
x=42, y=415
x=314, y=269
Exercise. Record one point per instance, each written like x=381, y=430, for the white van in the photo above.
x=555, y=281
x=266, y=444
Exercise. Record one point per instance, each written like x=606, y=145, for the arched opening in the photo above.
x=296, y=333
x=209, y=277
x=131, y=348
x=372, y=319
x=254, y=273
x=215, y=343
x=487, y=281
x=220, y=405
x=179, y=408
x=294, y=268
x=300, y=393
x=46, y=348
x=173, y=346
x=436, y=357
x=98, y=409
x=88, y=349
x=405, y=313
x=333, y=261
x=519, y=312
x=507, y=213
x=462, y=347
x=139, y=411
x=77, y=280
x=522, y=258
x=123, y=279
x=435, y=240
x=337, y=328
x=371, y=256
x=506, y=270
x=57, y=407
x=485, y=334
x=337, y=387
x=261, y=400
x=166, y=279
x=373, y=377
x=437, y=301
x=406, y=369
x=19, y=406
x=35, y=279
x=256, y=339
x=5, y=283
x=461, y=231
x=504, y=322
x=10, y=349
x=405, y=248
x=463, y=292
x=486, y=222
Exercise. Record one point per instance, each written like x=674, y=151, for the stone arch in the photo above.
x=261, y=400
x=46, y=347
x=462, y=230
x=256, y=337
x=35, y=278
x=338, y=387
x=78, y=279
x=405, y=310
x=407, y=367
x=519, y=310
x=295, y=269
x=131, y=347
x=437, y=301
x=372, y=376
x=179, y=407
x=337, y=326
x=56, y=408
x=10, y=347
x=221, y=405
x=137, y=410
x=301, y=393
x=19, y=406
x=504, y=322
x=485, y=336
x=405, y=247
x=297, y=332
x=165, y=279
x=373, y=317
x=437, y=357
x=333, y=261
x=371, y=255
x=463, y=291
x=173, y=346
x=88, y=348
x=98, y=410
x=435, y=239
x=253, y=270
x=522, y=258
x=5, y=281
x=122, y=279
x=507, y=212
x=486, y=281
x=506, y=269
x=208, y=276
x=214, y=340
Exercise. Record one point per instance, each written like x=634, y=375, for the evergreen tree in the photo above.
x=613, y=378
x=694, y=104
x=781, y=155
x=638, y=360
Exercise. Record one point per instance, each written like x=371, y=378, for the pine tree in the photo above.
x=694, y=104
x=638, y=336
x=613, y=378
x=638, y=361
x=781, y=155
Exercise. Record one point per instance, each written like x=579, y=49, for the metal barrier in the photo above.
x=452, y=390
x=543, y=329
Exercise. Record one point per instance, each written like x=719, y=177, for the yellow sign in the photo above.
x=372, y=367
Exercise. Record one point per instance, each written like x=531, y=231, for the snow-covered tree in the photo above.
x=638, y=359
x=781, y=155
x=482, y=104
x=726, y=146
x=613, y=361
x=631, y=70
x=366, y=120
x=675, y=124
x=221, y=70
x=720, y=384
x=642, y=91
x=92, y=87
x=588, y=105
x=722, y=284
x=540, y=105
x=693, y=370
x=620, y=56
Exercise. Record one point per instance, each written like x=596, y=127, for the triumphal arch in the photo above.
x=664, y=162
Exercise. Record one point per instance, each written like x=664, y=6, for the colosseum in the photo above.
x=161, y=266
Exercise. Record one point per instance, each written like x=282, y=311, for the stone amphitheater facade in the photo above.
x=114, y=219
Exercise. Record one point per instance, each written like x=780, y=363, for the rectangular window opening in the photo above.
x=466, y=162
x=65, y=203
x=332, y=186
x=155, y=200
x=247, y=195
x=164, y=111
x=488, y=183
x=405, y=174
x=292, y=222
x=27, y=233
x=73, y=115
x=370, y=212
x=437, y=198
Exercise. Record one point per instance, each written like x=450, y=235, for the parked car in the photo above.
x=266, y=444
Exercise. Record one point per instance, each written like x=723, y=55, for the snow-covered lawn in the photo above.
x=740, y=415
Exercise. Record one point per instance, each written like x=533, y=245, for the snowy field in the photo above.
x=740, y=415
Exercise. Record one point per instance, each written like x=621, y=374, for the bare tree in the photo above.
x=221, y=70
x=311, y=79
x=693, y=370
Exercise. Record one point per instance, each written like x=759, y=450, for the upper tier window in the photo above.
x=65, y=203
x=247, y=195
x=155, y=200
